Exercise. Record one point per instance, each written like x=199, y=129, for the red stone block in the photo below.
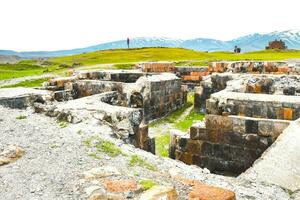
x=205, y=192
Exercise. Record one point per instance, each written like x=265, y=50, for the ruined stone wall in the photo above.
x=213, y=84
x=21, y=98
x=161, y=95
x=280, y=85
x=254, y=105
x=125, y=76
x=226, y=143
x=244, y=116
x=156, y=66
x=191, y=74
x=254, y=67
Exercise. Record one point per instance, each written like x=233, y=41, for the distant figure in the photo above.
x=128, y=41
x=237, y=49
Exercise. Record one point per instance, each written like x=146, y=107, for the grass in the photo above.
x=180, y=55
x=20, y=117
x=109, y=148
x=123, y=66
x=188, y=121
x=62, y=124
x=162, y=144
x=173, y=116
x=125, y=59
x=103, y=146
x=138, y=161
x=8, y=71
x=162, y=140
x=28, y=83
x=94, y=155
x=147, y=184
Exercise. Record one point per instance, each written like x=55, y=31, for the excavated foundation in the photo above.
x=126, y=100
x=245, y=114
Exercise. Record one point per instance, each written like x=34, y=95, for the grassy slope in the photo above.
x=123, y=56
x=170, y=54
x=28, y=83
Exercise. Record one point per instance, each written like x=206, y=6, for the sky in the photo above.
x=32, y=25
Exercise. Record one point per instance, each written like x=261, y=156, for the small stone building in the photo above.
x=276, y=44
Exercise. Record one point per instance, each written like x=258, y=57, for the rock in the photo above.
x=120, y=185
x=124, y=128
x=160, y=192
x=103, y=196
x=189, y=182
x=90, y=190
x=100, y=172
x=205, y=192
x=10, y=154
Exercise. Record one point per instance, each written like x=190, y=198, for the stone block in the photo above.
x=265, y=128
x=160, y=192
x=194, y=146
x=251, y=126
x=223, y=123
x=119, y=186
x=197, y=133
x=205, y=192
x=184, y=157
x=288, y=113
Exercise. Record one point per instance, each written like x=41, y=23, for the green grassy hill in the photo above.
x=170, y=54
x=124, y=58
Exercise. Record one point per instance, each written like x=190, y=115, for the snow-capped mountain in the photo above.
x=252, y=42
x=260, y=41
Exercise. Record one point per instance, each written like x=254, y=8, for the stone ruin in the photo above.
x=126, y=100
x=250, y=110
x=247, y=106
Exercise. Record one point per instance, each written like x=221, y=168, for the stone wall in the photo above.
x=21, y=98
x=254, y=67
x=212, y=84
x=153, y=95
x=157, y=94
x=191, y=74
x=156, y=66
x=226, y=143
x=125, y=76
x=254, y=105
x=160, y=94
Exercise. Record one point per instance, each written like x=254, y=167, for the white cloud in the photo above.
x=64, y=24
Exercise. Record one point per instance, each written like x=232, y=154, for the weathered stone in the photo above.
x=11, y=154
x=205, y=192
x=100, y=172
x=119, y=186
x=160, y=192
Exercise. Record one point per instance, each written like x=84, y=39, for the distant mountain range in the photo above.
x=251, y=42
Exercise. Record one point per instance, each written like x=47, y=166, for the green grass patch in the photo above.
x=94, y=155
x=109, y=148
x=162, y=144
x=9, y=71
x=28, y=83
x=138, y=161
x=173, y=116
x=188, y=121
x=147, y=184
x=123, y=66
x=20, y=117
x=62, y=124
x=104, y=146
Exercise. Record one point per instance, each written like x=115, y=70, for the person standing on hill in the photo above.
x=128, y=41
